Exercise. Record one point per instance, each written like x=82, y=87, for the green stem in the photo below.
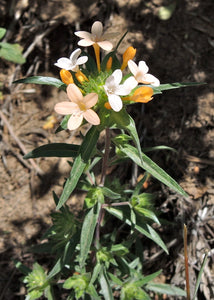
x=106, y=157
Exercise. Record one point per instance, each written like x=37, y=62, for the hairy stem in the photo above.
x=105, y=157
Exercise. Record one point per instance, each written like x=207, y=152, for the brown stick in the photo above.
x=20, y=144
x=186, y=263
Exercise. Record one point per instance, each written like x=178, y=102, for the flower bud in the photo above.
x=143, y=94
x=80, y=77
x=109, y=64
x=127, y=55
x=66, y=76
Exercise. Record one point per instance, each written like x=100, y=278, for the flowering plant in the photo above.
x=93, y=257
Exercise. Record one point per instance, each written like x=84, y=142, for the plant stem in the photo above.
x=186, y=263
x=105, y=157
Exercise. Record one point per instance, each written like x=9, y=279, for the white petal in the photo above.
x=74, y=121
x=64, y=63
x=133, y=67
x=74, y=93
x=126, y=88
x=74, y=55
x=105, y=45
x=143, y=67
x=85, y=43
x=97, y=29
x=66, y=108
x=130, y=82
x=81, y=60
x=84, y=35
x=115, y=102
x=91, y=117
x=151, y=79
x=90, y=100
x=117, y=74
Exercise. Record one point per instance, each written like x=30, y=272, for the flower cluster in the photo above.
x=103, y=88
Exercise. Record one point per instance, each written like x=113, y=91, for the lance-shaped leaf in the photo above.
x=105, y=285
x=42, y=80
x=123, y=120
x=124, y=214
x=175, y=85
x=54, y=150
x=65, y=257
x=151, y=167
x=162, y=288
x=87, y=232
x=85, y=152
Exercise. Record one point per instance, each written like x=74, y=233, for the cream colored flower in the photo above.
x=140, y=73
x=73, y=62
x=78, y=108
x=95, y=37
x=114, y=89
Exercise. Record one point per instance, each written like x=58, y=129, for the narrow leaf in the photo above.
x=147, y=213
x=124, y=214
x=110, y=194
x=65, y=258
x=54, y=150
x=199, y=275
x=165, y=289
x=85, y=151
x=42, y=80
x=105, y=286
x=175, y=85
x=87, y=232
x=151, y=167
x=147, y=279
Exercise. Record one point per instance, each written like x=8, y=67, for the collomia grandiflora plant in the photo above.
x=99, y=252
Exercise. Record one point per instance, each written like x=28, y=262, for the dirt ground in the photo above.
x=180, y=49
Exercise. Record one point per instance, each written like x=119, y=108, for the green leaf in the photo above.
x=87, y=232
x=92, y=292
x=199, y=275
x=156, y=148
x=42, y=80
x=151, y=167
x=105, y=286
x=65, y=257
x=12, y=52
x=63, y=124
x=54, y=150
x=115, y=279
x=147, y=213
x=147, y=279
x=175, y=85
x=162, y=288
x=85, y=151
x=2, y=32
x=96, y=272
x=124, y=214
x=124, y=121
x=110, y=194
x=22, y=268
